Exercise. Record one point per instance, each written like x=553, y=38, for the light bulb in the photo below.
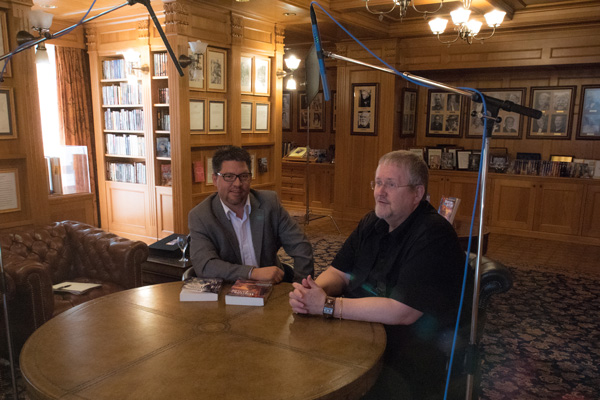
x=438, y=25
x=460, y=16
x=291, y=84
x=494, y=18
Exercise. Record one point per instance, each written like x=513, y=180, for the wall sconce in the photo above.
x=197, y=48
x=467, y=29
x=132, y=64
x=292, y=63
x=40, y=22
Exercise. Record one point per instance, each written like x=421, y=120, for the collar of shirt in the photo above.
x=229, y=212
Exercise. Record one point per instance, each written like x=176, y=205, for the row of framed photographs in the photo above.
x=449, y=158
x=446, y=116
x=313, y=118
x=255, y=116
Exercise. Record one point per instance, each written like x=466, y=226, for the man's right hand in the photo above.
x=273, y=274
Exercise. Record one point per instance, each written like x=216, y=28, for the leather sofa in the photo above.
x=38, y=257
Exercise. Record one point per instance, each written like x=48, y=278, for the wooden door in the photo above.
x=513, y=203
x=558, y=207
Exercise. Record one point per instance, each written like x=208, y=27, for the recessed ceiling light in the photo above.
x=289, y=14
x=47, y=6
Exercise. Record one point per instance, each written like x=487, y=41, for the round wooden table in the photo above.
x=146, y=344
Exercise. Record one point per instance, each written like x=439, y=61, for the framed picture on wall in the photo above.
x=217, y=111
x=247, y=120
x=8, y=125
x=589, y=123
x=261, y=75
x=364, y=109
x=4, y=42
x=246, y=74
x=511, y=126
x=9, y=187
x=286, y=111
x=409, y=112
x=333, y=111
x=209, y=171
x=315, y=114
x=197, y=115
x=196, y=71
x=556, y=105
x=217, y=70
x=444, y=114
x=262, y=117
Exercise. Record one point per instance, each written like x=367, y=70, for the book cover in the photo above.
x=448, y=207
x=201, y=289
x=166, y=179
x=198, y=171
x=74, y=287
x=248, y=292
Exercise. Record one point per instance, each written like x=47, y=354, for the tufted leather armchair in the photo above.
x=36, y=258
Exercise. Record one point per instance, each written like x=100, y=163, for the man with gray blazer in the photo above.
x=236, y=232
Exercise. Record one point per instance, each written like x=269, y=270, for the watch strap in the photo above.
x=329, y=307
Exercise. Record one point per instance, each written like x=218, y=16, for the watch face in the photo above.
x=328, y=310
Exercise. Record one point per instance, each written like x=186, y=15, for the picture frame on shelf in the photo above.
x=474, y=161
x=166, y=177
x=462, y=159
x=498, y=159
x=246, y=74
x=4, y=44
x=333, y=111
x=434, y=158
x=511, y=126
x=286, y=111
x=315, y=114
x=263, y=114
x=444, y=112
x=163, y=147
x=217, y=70
x=448, y=161
x=261, y=75
x=197, y=75
x=247, y=113
x=217, y=115
x=409, y=112
x=8, y=123
x=589, y=123
x=418, y=151
x=197, y=116
x=364, y=109
x=556, y=104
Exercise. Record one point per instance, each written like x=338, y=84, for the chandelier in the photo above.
x=466, y=29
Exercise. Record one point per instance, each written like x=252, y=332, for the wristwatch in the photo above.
x=328, y=307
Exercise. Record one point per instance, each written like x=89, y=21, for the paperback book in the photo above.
x=448, y=207
x=74, y=287
x=246, y=292
x=201, y=289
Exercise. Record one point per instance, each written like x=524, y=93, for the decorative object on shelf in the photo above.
x=511, y=126
x=8, y=125
x=556, y=104
x=589, y=123
x=262, y=75
x=246, y=116
x=364, y=109
x=316, y=120
x=286, y=111
x=444, y=114
x=246, y=74
x=217, y=70
x=467, y=29
x=262, y=117
x=217, y=111
x=292, y=63
x=498, y=159
x=409, y=112
x=197, y=113
x=4, y=46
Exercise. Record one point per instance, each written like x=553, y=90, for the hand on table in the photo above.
x=273, y=274
x=308, y=297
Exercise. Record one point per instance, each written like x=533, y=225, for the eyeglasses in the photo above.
x=243, y=177
x=387, y=185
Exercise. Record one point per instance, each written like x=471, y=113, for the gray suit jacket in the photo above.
x=215, y=250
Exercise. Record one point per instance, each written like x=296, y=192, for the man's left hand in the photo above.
x=308, y=297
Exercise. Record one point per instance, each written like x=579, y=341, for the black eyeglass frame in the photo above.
x=243, y=177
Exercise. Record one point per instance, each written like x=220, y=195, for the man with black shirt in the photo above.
x=403, y=267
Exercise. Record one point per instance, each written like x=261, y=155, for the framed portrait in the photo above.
x=333, y=111
x=556, y=105
x=261, y=75
x=589, y=123
x=444, y=112
x=247, y=112
x=312, y=117
x=262, y=117
x=217, y=111
x=217, y=70
x=9, y=187
x=286, y=111
x=409, y=112
x=4, y=42
x=246, y=74
x=511, y=126
x=364, y=109
x=434, y=158
x=197, y=116
x=462, y=159
x=8, y=123
x=196, y=71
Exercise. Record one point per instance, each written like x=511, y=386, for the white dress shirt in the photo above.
x=241, y=226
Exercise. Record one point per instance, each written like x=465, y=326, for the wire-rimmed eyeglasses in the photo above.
x=243, y=177
x=387, y=185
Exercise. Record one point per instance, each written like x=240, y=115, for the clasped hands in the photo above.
x=307, y=297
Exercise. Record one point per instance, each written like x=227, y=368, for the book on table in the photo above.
x=448, y=207
x=74, y=287
x=201, y=289
x=247, y=292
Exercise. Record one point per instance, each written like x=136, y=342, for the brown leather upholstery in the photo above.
x=38, y=257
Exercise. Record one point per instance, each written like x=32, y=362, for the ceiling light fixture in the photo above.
x=467, y=29
x=403, y=7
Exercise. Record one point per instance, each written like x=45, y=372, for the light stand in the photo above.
x=493, y=107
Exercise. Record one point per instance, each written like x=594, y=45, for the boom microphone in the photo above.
x=319, y=50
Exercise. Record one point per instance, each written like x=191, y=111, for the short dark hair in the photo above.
x=230, y=153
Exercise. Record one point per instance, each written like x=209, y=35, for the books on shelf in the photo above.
x=201, y=289
x=247, y=292
x=74, y=287
x=448, y=207
x=126, y=172
x=160, y=64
